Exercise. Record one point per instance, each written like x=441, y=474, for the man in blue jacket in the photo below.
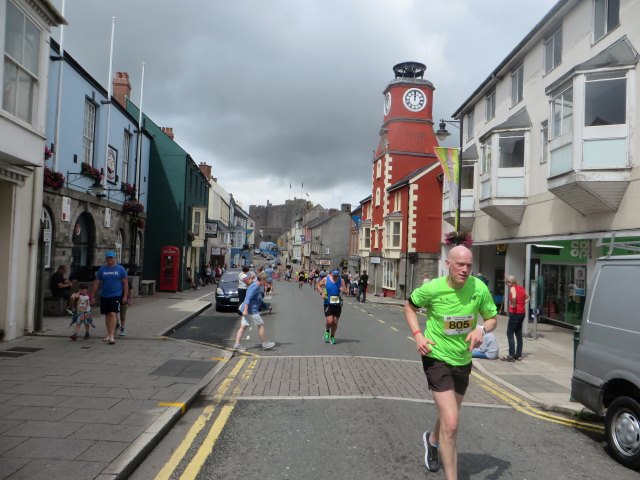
x=250, y=309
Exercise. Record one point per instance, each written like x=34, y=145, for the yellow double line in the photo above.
x=206, y=447
x=523, y=406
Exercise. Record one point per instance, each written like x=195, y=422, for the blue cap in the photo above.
x=335, y=272
x=110, y=253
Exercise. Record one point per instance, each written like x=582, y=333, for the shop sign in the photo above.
x=215, y=251
x=211, y=230
x=374, y=260
x=574, y=251
x=324, y=262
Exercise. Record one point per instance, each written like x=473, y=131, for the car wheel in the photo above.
x=622, y=427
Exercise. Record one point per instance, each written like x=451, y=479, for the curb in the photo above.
x=133, y=455
x=178, y=324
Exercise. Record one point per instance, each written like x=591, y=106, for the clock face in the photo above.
x=414, y=99
x=387, y=103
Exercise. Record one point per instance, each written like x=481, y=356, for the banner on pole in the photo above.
x=449, y=159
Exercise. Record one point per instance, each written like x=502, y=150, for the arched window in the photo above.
x=48, y=234
x=377, y=196
x=119, y=246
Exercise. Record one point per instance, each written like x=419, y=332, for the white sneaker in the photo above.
x=268, y=345
x=239, y=347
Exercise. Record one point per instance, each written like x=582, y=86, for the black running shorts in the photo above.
x=442, y=377
x=332, y=310
x=110, y=305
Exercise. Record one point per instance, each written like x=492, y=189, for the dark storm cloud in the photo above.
x=284, y=92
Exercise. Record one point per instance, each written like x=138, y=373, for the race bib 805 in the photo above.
x=457, y=324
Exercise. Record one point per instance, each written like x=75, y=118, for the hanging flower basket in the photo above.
x=128, y=189
x=132, y=207
x=138, y=222
x=89, y=171
x=53, y=179
x=48, y=153
x=458, y=238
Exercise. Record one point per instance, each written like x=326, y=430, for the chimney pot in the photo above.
x=121, y=88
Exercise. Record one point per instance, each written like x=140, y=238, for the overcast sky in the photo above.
x=285, y=92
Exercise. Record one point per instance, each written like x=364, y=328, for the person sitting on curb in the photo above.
x=489, y=348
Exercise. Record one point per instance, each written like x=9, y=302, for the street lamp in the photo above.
x=442, y=135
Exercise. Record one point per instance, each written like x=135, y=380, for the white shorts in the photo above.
x=253, y=317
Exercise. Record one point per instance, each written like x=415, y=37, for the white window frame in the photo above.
x=226, y=239
x=30, y=38
x=469, y=125
x=378, y=168
x=486, y=157
x=366, y=238
x=603, y=5
x=553, y=51
x=397, y=202
x=197, y=218
x=517, y=85
x=378, y=197
x=566, y=119
x=389, y=274
x=126, y=146
x=48, y=237
x=544, y=143
x=490, y=106
x=393, y=237
x=512, y=135
x=374, y=238
x=89, y=131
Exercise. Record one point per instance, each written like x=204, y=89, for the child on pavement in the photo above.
x=82, y=315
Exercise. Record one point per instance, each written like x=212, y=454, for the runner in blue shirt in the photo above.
x=331, y=287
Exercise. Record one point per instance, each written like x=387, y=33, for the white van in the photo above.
x=606, y=375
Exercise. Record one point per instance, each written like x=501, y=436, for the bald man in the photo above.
x=453, y=303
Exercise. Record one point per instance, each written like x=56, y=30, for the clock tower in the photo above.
x=402, y=219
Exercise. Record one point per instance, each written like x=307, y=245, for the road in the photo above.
x=354, y=410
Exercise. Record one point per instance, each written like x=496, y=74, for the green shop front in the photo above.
x=560, y=288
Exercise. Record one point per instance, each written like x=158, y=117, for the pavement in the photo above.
x=89, y=410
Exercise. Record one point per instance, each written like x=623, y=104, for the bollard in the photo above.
x=576, y=340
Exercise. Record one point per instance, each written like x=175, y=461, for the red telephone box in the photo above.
x=169, y=269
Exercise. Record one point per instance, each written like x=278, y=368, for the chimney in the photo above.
x=121, y=88
x=346, y=207
x=206, y=170
x=168, y=131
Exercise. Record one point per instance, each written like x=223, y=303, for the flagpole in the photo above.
x=139, y=155
x=109, y=93
x=56, y=136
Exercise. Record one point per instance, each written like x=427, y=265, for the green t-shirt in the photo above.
x=451, y=315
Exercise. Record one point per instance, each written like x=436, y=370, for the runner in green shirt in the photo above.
x=453, y=303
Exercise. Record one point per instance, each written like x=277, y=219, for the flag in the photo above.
x=451, y=166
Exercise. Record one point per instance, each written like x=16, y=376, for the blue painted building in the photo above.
x=96, y=175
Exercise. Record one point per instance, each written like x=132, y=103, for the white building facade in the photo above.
x=25, y=43
x=550, y=145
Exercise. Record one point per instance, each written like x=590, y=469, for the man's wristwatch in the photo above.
x=484, y=330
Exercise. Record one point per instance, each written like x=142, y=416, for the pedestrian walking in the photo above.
x=453, y=303
x=251, y=312
x=331, y=287
x=363, y=283
x=81, y=302
x=111, y=279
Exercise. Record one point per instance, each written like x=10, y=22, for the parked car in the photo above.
x=227, y=291
x=606, y=375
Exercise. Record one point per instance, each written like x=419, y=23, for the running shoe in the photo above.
x=431, y=459
x=239, y=348
x=74, y=337
x=268, y=345
x=122, y=332
x=326, y=336
x=333, y=340
x=70, y=312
